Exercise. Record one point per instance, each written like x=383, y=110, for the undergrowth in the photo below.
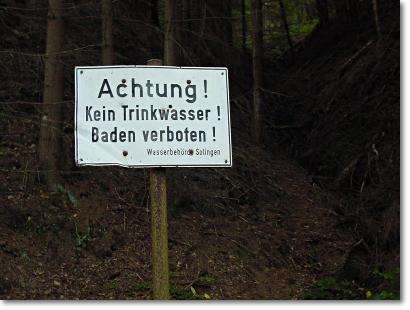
x=386, y=286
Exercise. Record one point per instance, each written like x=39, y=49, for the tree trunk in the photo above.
x=170, y=46
x=323, y=12
x=154, y=13
x=187, y=24
x=107, y=42
x=244, y=26
x=376, y=17
x=49, y=148
x=341, y=11
x=257, y=63
x=353, y=9
x=226, y=21
x=286, y=28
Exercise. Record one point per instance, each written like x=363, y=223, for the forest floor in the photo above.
x=260, y=230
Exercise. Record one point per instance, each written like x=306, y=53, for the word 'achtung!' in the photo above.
x=149, y=89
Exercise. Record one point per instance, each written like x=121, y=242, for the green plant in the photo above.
x=206, y=279
x=81, y=239
x=3, y=151
x=140, y=287
x=390, y=276
x=328, y=288
x=387, y=295
x=114, y=286
x=390, y=287
x=180, y=293
x=304, y=29
x=24, y=256
x=73, y=199
x=387, y=287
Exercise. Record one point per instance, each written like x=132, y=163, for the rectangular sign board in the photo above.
x=152, y=116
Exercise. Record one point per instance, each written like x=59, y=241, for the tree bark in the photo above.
x=323, y=12
x=375, y=5
x=286, y=28
x=244, y=25
x=257, y=64
x=49, y=148
x=226, y=21
x=107, y=41
x=187, y=24
x=154, y=13
x=341, y=11
x=170, y=46
x=353, y=9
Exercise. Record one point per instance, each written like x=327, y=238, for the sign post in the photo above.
x=153, y=117
x=159, y=226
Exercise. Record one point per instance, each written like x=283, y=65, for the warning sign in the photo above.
x=148, y=116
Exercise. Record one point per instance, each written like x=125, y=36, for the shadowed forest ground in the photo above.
x=320, y=199
x=260, y=230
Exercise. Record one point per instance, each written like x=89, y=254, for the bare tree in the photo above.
x=107, y=41
x=154, y=12
x=286, y=27
x=376, y=17
x=49, y=146
x=170, y=47
x=244, y=25
x=257, y=63
x=323, y=12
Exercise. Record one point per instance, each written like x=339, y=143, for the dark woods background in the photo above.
x=310, y=208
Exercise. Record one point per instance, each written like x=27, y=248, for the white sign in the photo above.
x=152, y=116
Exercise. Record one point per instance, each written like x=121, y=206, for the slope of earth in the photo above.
x=261, y=230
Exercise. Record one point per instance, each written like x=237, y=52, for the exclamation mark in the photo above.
x=206, y=88
x=213, y=131
x=219, y=113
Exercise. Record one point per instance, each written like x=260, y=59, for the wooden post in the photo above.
x=159, y=226
x=49, y=144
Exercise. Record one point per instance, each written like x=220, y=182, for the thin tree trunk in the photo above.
x=353, y=12
x=170, y=47
x=107, y=41
x=257, y=63
x=323, y=12
x=341, y=11
x=227, y=21
x=244, y=25
x=154, y=13
x=187, y=24
x=286, y=27
x=310, y=12
x=376, y=17
x=203, y=15
x=49, y=148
